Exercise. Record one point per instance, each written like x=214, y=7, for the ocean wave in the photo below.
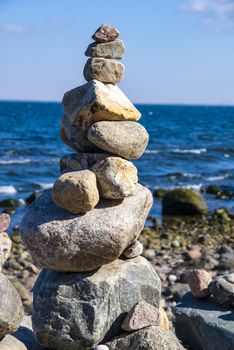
x=217, y=178
x=193, y=151
x=14, y=161
x=196, y=187
x=8, y=189
x=152, y=151
x=45, y=186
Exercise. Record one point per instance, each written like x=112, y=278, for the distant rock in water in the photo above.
x=183, y=201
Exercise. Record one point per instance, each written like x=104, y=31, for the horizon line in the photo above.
x=195, y=104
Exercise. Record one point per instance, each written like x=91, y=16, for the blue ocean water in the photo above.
x=189, y=146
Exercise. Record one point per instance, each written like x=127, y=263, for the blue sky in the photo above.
x=177, y=51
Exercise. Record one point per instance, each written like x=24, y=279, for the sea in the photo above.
x=190, y=146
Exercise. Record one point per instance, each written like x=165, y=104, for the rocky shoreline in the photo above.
x=174, y=247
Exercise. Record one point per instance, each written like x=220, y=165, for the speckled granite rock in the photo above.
x=104, y=69
x=150, y=338
x=222, y=289
x=126, y=139
x=67, y=242
x=204, y=325
x=11, y=308
x=113, y=49
x=4, y=222
x=105, y=33
x=133, y=250
x=199, y=281
x=76, y=311
x=116, y=177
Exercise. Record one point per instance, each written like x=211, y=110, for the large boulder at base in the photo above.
x=105, y=33
x=113, y=49
x=11, y=308
x=104, y=69
x=150, y=338
x=89, y=103
x=81, y=161
x=183, y=201
x=76, y=191
x=116, y=177
x=76, y=311
x=126, y=139
x=66, y=242
x=22, y=339
x=202, y=324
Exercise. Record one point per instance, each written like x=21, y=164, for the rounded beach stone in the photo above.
x=141, y=315
x=5, y=248
x=116, y=177
x=4, y=222
x=101, y=347
x=104, y=70
x=223, y=290
x=126, y=139
x=76, y=191
x=11, y=308
x=150, y=338
x=113, y=49
x=183, y=201
x=105, y=33
x=67, y=242
x=199, y=281
x=133, y=250
x=81, y=161
x=77, y=311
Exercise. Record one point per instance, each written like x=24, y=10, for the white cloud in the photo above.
x=217, y=14
x=17, y=29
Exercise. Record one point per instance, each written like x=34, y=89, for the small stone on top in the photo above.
x=105, y=33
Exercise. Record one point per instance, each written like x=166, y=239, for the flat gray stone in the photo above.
x=126, y=139
x=66, y=242
x=203, y=324
x=77, y=311
x=81, y=161
x=113, y=49
x=104, y=69
x=150, y=338
x=11, y=308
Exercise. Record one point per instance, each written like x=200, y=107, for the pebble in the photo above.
x=101, y=347
x=133, y=250
x=4, y=222
x=5, y=248
x=199, y=281
x=76, y=191
x=105, y=33
x=193, y=254
x=172, y=278
x=140, y=316
x=223, y=291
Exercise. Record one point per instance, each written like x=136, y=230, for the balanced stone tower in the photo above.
x=94, y=285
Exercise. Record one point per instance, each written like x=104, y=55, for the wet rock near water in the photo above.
x=183, y=201
x=93, y=305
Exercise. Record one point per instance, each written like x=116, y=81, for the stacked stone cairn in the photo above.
x=94, y=287
x=11, y=308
